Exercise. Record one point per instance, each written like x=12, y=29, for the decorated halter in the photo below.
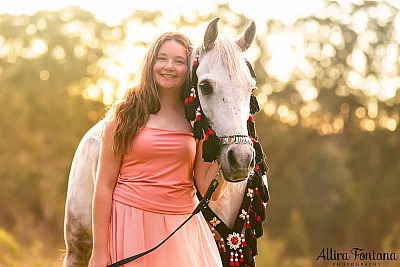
x=237, y=246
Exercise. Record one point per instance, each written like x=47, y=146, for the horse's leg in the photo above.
x=78, y=209
x=78, y=241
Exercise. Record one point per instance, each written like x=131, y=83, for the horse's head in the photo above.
x=223, y=84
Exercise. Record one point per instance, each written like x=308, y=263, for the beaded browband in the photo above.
x=237, y=246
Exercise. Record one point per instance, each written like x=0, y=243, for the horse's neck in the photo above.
x=228, y=204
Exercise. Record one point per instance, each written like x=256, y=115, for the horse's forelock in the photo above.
x=227, y=51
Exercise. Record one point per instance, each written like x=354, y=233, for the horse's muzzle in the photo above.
x=237, y=160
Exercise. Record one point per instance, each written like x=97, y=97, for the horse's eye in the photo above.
x=206, y=88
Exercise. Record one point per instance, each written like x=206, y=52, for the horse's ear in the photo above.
x=246, y=39
x=211, y=34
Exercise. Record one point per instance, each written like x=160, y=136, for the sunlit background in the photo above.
x=328, y=88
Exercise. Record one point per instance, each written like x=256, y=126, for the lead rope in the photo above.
x=202, y=205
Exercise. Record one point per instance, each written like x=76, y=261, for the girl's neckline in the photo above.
x=168, y=130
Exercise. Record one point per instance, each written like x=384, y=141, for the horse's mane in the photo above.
x=227, y=51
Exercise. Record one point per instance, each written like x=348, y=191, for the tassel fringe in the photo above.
x=198, y=126
x=254, y=107
x=211, y=146
x=251, y=129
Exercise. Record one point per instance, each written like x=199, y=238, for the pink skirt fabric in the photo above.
x=134, y=231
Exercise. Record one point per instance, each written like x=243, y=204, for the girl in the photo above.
x=147, y=169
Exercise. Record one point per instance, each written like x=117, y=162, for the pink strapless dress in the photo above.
x=154, y=194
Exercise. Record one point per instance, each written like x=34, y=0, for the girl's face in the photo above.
x=170, y=67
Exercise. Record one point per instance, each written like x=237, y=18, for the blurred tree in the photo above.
x=340, y=66
x=41, y=124
x=336, y=72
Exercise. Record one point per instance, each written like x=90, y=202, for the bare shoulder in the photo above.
x=109, y=128
x=107, y=137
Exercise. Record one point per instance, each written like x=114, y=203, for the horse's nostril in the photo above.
x=231, y=158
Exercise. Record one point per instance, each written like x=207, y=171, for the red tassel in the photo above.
x=190, y=101
x=259, y=152
x=252, y=217
x=198, y=114
x=231, y=261
x=248, y=225
x=196, y=61
x=259, y=231
x=251, y=128
x=247, y=250
x=247, y=255
x=243, y=240
x=254, y=250
x=213, y=233
x=222, y=244
x=236, y=259
x=198, y=132
x=211, y=147
x=254, y=107
x=241, y=255
x=264, y=193
x=257, y=202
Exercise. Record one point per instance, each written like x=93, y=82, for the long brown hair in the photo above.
x=132, y=112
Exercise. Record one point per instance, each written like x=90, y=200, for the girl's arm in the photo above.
x=204, y=172
x=106, y=179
